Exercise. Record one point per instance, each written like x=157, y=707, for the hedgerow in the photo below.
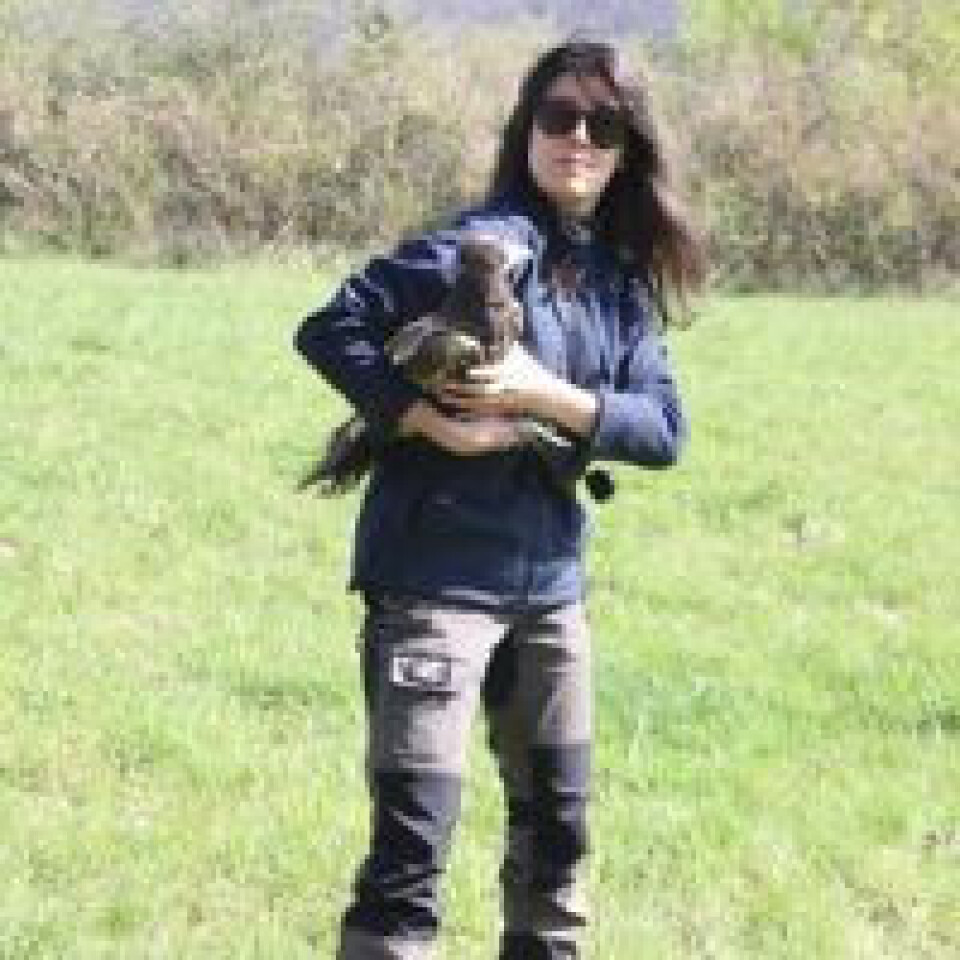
x=820, y=144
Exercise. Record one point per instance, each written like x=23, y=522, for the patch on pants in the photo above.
x=421, y=671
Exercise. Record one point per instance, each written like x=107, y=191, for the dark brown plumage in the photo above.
x=477, y=323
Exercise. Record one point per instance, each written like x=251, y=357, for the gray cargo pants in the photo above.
x=426, y=667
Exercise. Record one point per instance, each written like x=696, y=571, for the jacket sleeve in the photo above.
x=639, y=419
x=344, y=340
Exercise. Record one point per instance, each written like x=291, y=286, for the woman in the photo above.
x=469, y=561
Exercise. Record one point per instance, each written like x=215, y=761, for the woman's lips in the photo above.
x=573, y=161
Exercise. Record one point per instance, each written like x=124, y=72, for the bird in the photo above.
x=476, y=324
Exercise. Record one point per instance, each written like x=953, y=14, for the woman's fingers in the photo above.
x=508, y=387
x=482, y=387
x=471, y=437
x=490, y=373
x=470, y=392
x=478, y=401
x=461, y=389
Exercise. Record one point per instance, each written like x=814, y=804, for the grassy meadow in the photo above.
x=777, y=632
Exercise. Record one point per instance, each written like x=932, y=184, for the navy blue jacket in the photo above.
x=490, y=529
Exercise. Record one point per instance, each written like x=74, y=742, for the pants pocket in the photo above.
x=419, y=688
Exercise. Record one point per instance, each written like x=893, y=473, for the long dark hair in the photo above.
x=640, y=216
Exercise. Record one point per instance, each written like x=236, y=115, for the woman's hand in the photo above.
x=518, y=386
x=463, y=438
x=469, y=438
x=521, y=386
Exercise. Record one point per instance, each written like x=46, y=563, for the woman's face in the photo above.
x=568, y=167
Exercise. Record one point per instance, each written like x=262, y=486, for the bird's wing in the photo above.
x=412, y=337
x=430, y=352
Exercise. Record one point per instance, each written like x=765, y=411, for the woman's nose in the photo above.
x=580, y=132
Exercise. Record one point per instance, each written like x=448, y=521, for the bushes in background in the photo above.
x=181, y=151
x=821, y=144
x=823, y=140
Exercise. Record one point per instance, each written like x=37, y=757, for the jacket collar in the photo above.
x=556, y=237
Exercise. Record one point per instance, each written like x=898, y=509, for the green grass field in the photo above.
x=777, y=631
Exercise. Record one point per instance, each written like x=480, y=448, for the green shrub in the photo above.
x=820, y=142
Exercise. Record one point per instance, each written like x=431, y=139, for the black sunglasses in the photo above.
x=606, y=125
